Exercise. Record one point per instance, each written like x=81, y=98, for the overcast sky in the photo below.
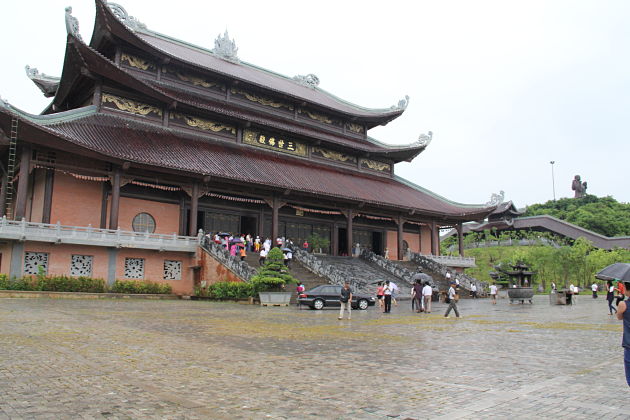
x=505, y=86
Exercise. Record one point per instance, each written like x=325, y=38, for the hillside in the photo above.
x=565, y=264
x=603, y=215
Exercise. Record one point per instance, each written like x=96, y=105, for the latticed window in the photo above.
x=172, y=270
x=134, y=268
x=81, y=265
x=34, y=260
x=143, y=222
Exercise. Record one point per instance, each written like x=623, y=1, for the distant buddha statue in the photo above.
x=579, y=187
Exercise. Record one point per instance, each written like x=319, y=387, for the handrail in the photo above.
x=465, y=281
x=240, y=268
x=391, y=267
x=320, y=268
x=88, y=235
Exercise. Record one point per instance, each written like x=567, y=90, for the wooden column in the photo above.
x=3, y=194
x=335, y=239
x=349, y=216
x=275, y=205
x=48, y=193
x=194, y=207
x=434, y=240
x=401, y=223
x=182, y=215
x=115, y=204
x=23, y=182
x=261, y=224
x=460, y=239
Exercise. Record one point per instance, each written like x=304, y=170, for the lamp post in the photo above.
x=553, y=181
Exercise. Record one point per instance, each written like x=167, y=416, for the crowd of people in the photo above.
x=239, y=245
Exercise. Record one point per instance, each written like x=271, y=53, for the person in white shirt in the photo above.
x=427, y=293
x=267, y=245
x=594, y=288
x=473, y=290
x=387, y=293
x=395, y=291
x=262, y=257
x=452, y=303
x=493, y=293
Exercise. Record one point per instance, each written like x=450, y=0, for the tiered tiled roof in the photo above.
x=110, y=137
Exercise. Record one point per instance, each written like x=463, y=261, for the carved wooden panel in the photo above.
x=279, y=143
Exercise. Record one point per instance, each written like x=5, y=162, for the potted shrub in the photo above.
x=271, y=279
x=318, y=242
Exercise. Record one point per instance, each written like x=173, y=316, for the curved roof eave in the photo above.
x=298, y=91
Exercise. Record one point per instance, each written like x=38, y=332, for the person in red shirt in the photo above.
x=621, y=291
x=379, y=294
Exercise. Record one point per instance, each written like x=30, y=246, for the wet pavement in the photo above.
x=119, y=359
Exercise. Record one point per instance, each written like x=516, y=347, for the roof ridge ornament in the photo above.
x=496, y=199
x=127, y=20
x=47, y=84
x=226, y=48
x=310, y=80
x=425, y=139
x=33, y=73
x=4, y=103
x=72, y=24
x=402, y=104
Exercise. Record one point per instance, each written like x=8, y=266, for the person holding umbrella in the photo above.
x=624, y=314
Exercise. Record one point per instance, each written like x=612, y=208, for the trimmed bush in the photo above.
x=226, y=290
x=273, y=275
x=140, y=287
x=53, y=284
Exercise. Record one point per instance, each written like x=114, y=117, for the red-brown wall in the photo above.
x=166, y=215
x=212, y=272
x=59, y=258
x=76, y=202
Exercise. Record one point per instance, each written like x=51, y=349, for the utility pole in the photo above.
x=553, y=181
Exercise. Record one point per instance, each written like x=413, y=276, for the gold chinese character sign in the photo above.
x=277, y=143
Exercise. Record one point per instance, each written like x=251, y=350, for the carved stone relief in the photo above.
x=81, y=265
x=172, y=270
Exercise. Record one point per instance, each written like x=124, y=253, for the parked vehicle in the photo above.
x=327, y=295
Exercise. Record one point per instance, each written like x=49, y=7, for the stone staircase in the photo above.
x=364, y=276
x=438, y=272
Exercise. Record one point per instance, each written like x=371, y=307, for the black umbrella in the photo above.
x=423, y=277
x=617, y=271
x=224, y=234
x=236, y=241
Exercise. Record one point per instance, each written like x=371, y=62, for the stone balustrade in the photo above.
x=82, y=235
x=240, y=268
x=319, y=267
x=438, y=267
x=452, y=261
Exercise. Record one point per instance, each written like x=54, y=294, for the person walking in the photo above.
x=387, y=295
x=452, y=301
x=416, y=297
x=262, y=256
x=427, y=294
x=594, y=289
x=493, y=293
x=395, y=291
x=379, y=295
x=624, y=314
x=610, y=296
x=346, y=300
x=242, y=253
x=473, y=290
x=621, y=291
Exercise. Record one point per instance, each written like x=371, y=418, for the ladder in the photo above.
x=11, y=167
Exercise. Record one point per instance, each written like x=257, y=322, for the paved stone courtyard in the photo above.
x=117, y=359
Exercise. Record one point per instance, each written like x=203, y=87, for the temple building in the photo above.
x=149, y=139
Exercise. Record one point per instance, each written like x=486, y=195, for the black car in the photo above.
x=327, y=295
